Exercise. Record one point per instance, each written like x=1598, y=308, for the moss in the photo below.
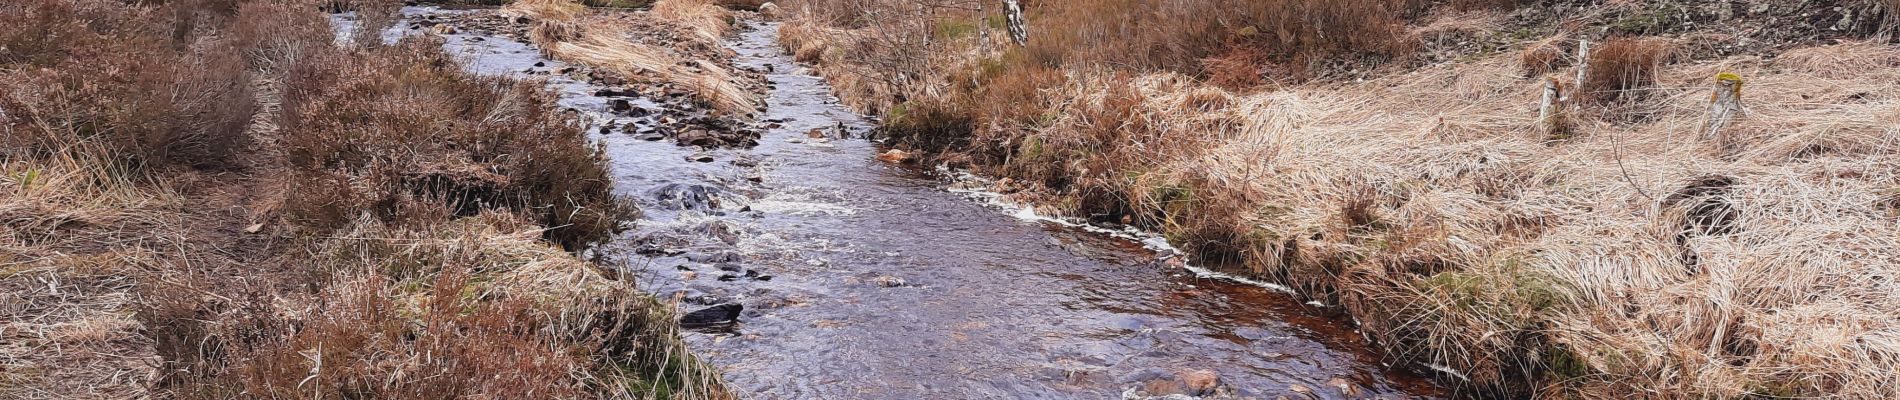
x=1563, y=365
x=953, y=30
x=663, y=382
x=1778, y=390
x=1464, y=288
x=1732, y=77
x=1657, y=19
x=1031, y=149
x=28, y=177
x=1514, y=294
x=897, y=112
x=998, y=21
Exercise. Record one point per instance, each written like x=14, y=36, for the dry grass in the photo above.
x=1469, y=243
x=568, y=36
x=1623, y=67
x=707, y=19
x=212, y=200
x=1635, y=259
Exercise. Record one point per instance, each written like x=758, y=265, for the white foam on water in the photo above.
x=976, y=188
x=800, y=203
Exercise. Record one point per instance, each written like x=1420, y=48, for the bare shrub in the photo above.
x=125, y=86
x=1543, y=57
x=436, y=134
x=1623, y=67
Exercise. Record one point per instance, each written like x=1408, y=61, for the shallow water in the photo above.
x=991, y=305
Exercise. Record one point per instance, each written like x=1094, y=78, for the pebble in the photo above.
x=890, y=281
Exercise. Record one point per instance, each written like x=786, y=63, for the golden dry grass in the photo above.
x=707, y=19
x=1481, y=233
x=564, y=34
x=66, y=325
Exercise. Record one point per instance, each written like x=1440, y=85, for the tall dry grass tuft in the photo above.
x=474, y=307
x=707, y=19
x=1623, y=67
x=563, y=33
x=1545, y=56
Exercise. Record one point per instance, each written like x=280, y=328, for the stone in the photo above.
x=770, y=11
x=890, y=281
x=1200, y=382
x=723, y=314
x=1347, y=388
x=896, y=156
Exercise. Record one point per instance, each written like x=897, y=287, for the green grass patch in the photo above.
x=953, y=30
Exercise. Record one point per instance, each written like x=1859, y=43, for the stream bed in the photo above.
x=864, y=279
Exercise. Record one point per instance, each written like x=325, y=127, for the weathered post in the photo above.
x=983, y=24
x=1583, y=64
x=1018, y=27
x=1550, y=114
x=1724, y=105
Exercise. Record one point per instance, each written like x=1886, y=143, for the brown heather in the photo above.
x=211, y=199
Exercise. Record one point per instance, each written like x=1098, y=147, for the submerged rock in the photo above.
x=723, y=314
x=1200, y=382
x=690, y=197
x=890, y=281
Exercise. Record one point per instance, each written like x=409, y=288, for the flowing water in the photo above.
x=862, y=279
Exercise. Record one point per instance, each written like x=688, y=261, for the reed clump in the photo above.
x=561, y=30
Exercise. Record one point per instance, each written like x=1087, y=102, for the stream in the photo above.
x=865, y=279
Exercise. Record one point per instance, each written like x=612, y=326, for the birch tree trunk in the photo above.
x=1018, y=27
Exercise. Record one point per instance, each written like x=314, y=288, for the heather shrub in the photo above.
x=402, y=124
x=1623, y=68
x=83, y=70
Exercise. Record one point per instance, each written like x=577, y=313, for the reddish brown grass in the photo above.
x=1622, y=68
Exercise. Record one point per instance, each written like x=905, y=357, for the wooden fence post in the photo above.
x=1724, y=105
x=1583, y=65
x=1550, y=114
x=983, y=24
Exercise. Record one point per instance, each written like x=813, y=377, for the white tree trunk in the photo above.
x=1018, y=27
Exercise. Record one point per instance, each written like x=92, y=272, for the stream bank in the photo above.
x=857, y=278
